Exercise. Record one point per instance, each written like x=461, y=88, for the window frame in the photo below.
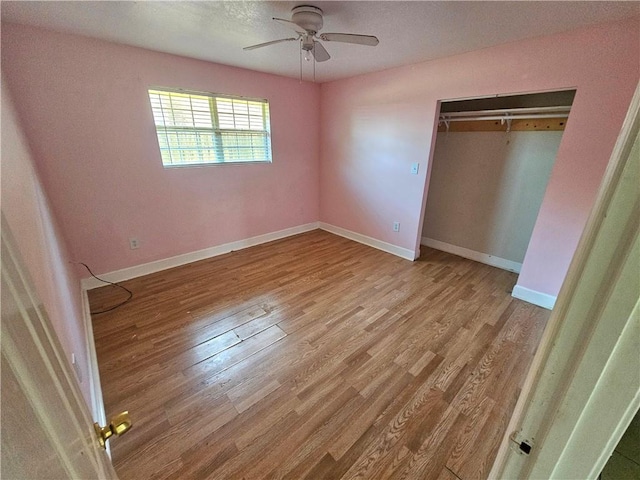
x=217, y=130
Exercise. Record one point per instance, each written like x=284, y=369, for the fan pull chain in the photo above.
x=300, y=60
x=314, y=62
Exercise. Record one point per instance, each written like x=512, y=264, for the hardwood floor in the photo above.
x=315, y=357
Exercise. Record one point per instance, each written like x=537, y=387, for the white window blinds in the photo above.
x=202, y=128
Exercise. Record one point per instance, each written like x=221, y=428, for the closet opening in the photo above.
x=490, y=168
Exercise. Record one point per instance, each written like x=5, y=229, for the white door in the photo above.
x=46, y=427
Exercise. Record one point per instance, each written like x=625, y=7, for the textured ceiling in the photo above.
x=409, y=32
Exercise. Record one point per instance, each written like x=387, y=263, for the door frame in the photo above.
x=95, y=387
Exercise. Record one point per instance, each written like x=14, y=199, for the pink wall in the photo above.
x=85, y=109
x=28, y=214
x=374, y=126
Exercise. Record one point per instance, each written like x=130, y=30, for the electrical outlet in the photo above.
x=134, y=243
x=396, y=226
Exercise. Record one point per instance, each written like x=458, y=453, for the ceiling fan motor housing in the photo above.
x=307, y=17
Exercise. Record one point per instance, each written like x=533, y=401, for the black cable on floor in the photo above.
x=110, y=283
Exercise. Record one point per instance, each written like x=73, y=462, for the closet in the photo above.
x=490, y=168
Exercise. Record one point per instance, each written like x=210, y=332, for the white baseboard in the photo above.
x=93, y=373
x=473, y=255
x=159, y=265
x=543, y=300
x=371, y=242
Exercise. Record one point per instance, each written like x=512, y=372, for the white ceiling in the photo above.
x=409, y=32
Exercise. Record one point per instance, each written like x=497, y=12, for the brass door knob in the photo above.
x=119, y=425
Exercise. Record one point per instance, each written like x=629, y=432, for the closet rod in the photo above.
x=519, y=112
x=503, y=117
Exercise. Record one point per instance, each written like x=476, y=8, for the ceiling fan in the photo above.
x=306, y=20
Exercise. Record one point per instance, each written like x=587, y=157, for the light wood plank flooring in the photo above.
x=315, y=357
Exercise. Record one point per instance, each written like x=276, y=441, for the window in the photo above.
x=203, y=128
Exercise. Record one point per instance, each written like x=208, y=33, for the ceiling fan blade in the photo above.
x=350, y=38
x=319, y=52
x=266, y=44
x=291, y=24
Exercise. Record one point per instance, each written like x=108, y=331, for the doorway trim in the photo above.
x=95, y=387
